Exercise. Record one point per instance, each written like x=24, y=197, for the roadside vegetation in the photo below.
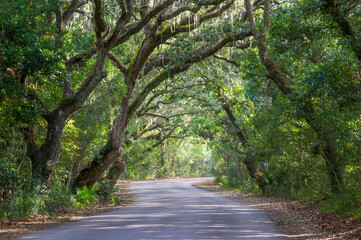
x=264, y=95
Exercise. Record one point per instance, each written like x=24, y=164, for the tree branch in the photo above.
x=229, y=60
x=186, y=27
x=162, y=139
x=100, y=24
x=122, y=68
x=136, y=27
x=198, y=56
x=345, y=26
x=266, y=17
x=274, y=72
x=169, y=117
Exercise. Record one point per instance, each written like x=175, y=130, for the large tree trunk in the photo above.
x=43, y=158
x=256, y=173
x=117, y=168
x=89, y=175
x=328, y=148
x=109, y=153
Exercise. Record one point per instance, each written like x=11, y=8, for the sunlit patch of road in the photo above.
x=172, y=209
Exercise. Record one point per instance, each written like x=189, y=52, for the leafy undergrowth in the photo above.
x=14, y=229
x=299, y=220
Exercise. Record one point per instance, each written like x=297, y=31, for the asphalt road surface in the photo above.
x=171, y=209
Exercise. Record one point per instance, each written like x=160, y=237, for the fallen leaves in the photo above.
x=299, y=220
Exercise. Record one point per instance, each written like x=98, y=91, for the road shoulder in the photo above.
x=297, y=219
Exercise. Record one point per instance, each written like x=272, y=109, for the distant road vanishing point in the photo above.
x=171, y=209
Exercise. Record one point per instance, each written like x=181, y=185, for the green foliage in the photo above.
x=21, y=205
x=22, y=202
x=58, y=199
x=347, y=204
x=86, y=197
x=9, y=178
x=105, y=192
x=187, y=158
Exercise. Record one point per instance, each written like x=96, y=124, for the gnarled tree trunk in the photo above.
x=117, y=168
x=332, y=162
x=43, y=157
x=106, y=156
x=256, y=172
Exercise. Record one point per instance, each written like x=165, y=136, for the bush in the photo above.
x=346, y=204
x=58, y=200
x=105, y=191
x=86, y=197
x=221, y=180
x=9, y=180
x=24, y=203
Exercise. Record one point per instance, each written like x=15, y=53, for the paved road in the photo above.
x=171, y=209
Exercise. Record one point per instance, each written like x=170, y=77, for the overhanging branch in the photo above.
x=229, y=60
x=198, y=56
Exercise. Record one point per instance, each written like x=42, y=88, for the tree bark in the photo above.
x=106, y=156
x=256, y=172
x=331, y=159
x=328, y=148
x=117, y=168
x=43, y=158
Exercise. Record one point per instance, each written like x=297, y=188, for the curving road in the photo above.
x=171, y=209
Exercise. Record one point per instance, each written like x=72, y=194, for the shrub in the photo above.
x=86, y=197
x=346, y=204
x=9, y=180
x=23, y=204
x=58, y=200
x=105, y=191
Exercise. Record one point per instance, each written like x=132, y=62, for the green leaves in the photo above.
x=8, y=177
x=86, y=197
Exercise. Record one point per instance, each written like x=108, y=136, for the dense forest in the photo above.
x=265, y=95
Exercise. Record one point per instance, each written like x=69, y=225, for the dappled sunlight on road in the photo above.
x=172, y=209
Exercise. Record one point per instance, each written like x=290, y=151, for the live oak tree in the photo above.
x=227, y=93
x=306, y=103
x=98, y=47
x=160, y=124
x=158, y=32
x=107, y=34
